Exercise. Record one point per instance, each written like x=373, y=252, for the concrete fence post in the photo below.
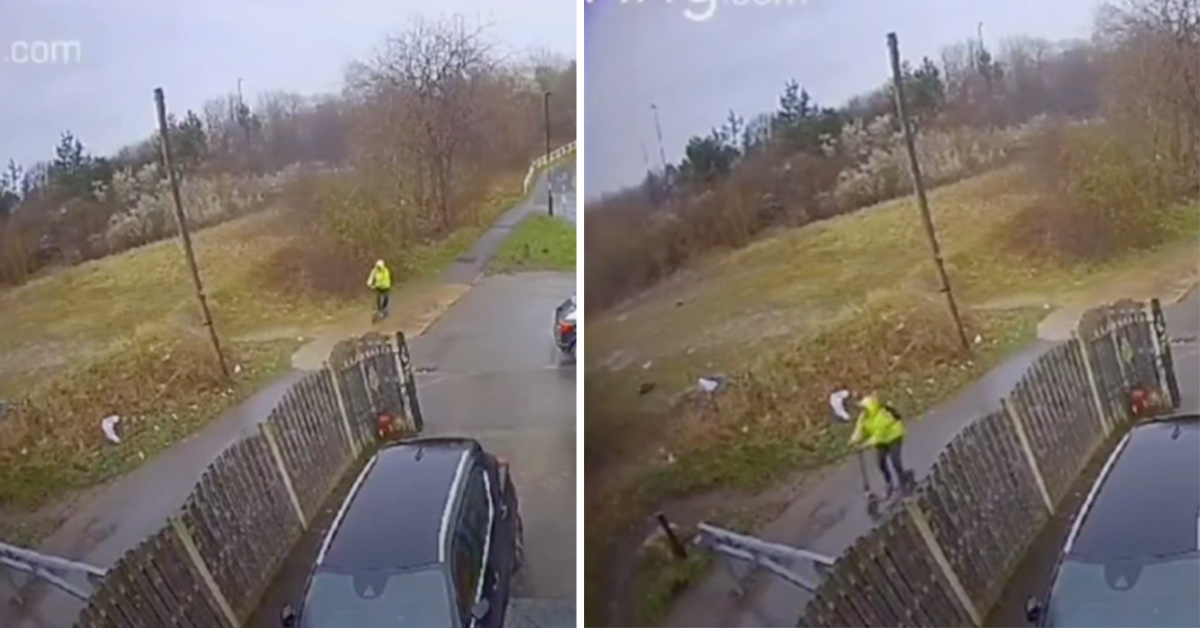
x=355, y=447
x=939, y=557
x=1106, y=422
x=1023, y=439
x=206, y=577
x=268, y=432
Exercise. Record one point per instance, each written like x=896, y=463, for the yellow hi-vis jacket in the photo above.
x=380, y=278
x=876, y=425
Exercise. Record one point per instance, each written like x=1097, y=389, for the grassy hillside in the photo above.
x=851, y=301
x=123, y=335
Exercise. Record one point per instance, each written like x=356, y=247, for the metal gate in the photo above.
x=72, y=577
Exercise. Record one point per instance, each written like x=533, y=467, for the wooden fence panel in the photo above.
x=982, y=502
x=887, y=575
x=1053, y=401
x=272, y=521
x=152, y=586
x=311, y=440
x=211, y=525
x=358, y=402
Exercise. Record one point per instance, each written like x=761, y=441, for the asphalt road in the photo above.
x=830, y=516
x=489, y=370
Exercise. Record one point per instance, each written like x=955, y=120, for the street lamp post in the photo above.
x=549, y=189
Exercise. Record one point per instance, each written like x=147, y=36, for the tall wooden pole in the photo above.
x=918, y=186
x=662, y=154
x=181, y=221
x=549, y=186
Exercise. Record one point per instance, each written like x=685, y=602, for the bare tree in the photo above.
x=423, y=93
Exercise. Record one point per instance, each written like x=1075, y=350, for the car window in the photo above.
x=378, y=599
x=470, y=540
x=1126, y=593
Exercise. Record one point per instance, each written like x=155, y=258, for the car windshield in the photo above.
x=1127, y=593
x=378, y=599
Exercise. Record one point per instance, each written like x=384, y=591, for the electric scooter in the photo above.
x=908, y=482
x=381, y=308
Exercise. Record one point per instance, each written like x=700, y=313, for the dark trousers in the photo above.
x=889, y=455
x=381, y=300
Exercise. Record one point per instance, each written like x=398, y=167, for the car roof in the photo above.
x=1147, y=503
x=394, y=515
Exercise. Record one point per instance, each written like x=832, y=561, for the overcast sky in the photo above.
x=739, y=58
x=198, y=49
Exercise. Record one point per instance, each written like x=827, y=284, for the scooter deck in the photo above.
x=880, y=506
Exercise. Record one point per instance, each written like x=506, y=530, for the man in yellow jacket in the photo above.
x=380, y=280
x=878, y=426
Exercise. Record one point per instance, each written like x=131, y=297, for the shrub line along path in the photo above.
x=118, y=516
x=830, y=513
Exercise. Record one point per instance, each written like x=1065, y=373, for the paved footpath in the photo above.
x=832, y=514
x=128, y=510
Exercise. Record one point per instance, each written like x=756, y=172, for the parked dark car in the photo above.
x=564, y=326
x=1131, y=557
x=429, y=537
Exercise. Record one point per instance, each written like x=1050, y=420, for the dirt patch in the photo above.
x=27, y=528
x=639, y=559
x=412, y=313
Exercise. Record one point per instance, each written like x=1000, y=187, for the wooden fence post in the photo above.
x=939, y=557
x=268, y=432
x=1085, y=351
x=206, y=577
x=1023, y=439
x=355, y=448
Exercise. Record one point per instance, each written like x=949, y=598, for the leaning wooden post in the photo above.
x=181, y=220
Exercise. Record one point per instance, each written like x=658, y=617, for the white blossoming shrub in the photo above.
x=945, y=155
x=148, y=211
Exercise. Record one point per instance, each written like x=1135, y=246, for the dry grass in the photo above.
x=851, y=301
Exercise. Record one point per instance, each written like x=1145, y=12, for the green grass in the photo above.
x=850, y=301
x=538, y=243
x=661, y=578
